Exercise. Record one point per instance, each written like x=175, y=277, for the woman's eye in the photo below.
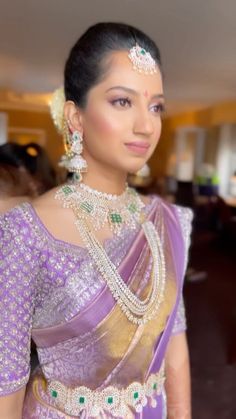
x=122, y=102
x=158, y=108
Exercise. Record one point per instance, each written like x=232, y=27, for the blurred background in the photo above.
x=194, y=163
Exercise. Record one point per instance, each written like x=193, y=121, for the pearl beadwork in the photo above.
x=136, y=310
x=111, y=399
x=100, y=208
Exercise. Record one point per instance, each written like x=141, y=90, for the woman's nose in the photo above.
x=144, y=123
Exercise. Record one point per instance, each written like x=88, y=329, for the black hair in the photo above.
x=85, y=65
x=33, y=158
x=12, y=154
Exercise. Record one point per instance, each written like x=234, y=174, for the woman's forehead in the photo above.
x=119, y=71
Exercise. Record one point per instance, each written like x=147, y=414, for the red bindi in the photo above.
x=146, y=93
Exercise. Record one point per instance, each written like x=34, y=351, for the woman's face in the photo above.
x=121, y=122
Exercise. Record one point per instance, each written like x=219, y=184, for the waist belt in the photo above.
x=117, y=401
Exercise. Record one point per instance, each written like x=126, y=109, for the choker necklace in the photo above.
x=99, y=208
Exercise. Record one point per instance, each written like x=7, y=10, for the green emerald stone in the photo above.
x=82, y=400
x=136, y=395
x=132, y=208
x=77, y=177
x=115, y=218
x=110, y=400
x=154, y=386
x=86, y=206
x=54, y=393
x=67, y=190
x=143, y=52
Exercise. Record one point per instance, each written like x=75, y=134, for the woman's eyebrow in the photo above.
x=133, y=92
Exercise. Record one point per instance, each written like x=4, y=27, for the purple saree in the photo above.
x=50, y=290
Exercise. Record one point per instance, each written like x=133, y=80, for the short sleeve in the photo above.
x=185, y=216
x=18, y=271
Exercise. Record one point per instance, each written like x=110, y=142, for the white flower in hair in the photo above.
x=57, y=108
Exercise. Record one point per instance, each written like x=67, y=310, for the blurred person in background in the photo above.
x=25, y=173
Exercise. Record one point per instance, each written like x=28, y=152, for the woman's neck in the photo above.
x=6, y=202
x=109, y=184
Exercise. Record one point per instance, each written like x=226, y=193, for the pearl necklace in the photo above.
x=136, y=310
x=99, y=208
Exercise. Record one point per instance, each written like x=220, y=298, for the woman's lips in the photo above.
x=138, y=147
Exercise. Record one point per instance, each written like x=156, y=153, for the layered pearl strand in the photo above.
x=136, y=310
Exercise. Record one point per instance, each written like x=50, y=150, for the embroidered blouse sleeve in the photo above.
x=18, y=272
x=185, y=216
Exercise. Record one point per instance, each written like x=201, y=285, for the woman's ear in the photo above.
x=73, y=117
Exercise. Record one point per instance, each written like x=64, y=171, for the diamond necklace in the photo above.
x=136, y=310
x=99, y=208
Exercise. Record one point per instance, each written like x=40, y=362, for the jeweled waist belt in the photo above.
x=117, y=401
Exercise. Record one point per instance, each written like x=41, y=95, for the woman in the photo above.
x=95, y=276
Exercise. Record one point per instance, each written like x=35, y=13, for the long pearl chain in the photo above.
x=137, y=311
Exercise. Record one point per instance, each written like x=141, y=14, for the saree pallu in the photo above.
x=100, y=347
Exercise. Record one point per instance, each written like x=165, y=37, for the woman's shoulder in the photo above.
x=13, y=215
x=177, y=214
x=15, y=225
x=20, y=225
x=46, y=200
x=184, y=214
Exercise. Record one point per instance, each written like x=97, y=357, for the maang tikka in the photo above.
x=142, y=60
x=72, y=160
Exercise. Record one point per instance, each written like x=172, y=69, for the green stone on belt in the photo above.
x=154, y=386
x=110, y=400
x=115, y=218
x=86, y=206
x=136, y=395
x=54, y=394
x=82, y=400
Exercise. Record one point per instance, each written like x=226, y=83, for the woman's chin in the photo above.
x=133, y=170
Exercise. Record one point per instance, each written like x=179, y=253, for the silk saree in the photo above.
x=51, y=292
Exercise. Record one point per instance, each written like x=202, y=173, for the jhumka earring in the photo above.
x=72, y=159
x=142, y=60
